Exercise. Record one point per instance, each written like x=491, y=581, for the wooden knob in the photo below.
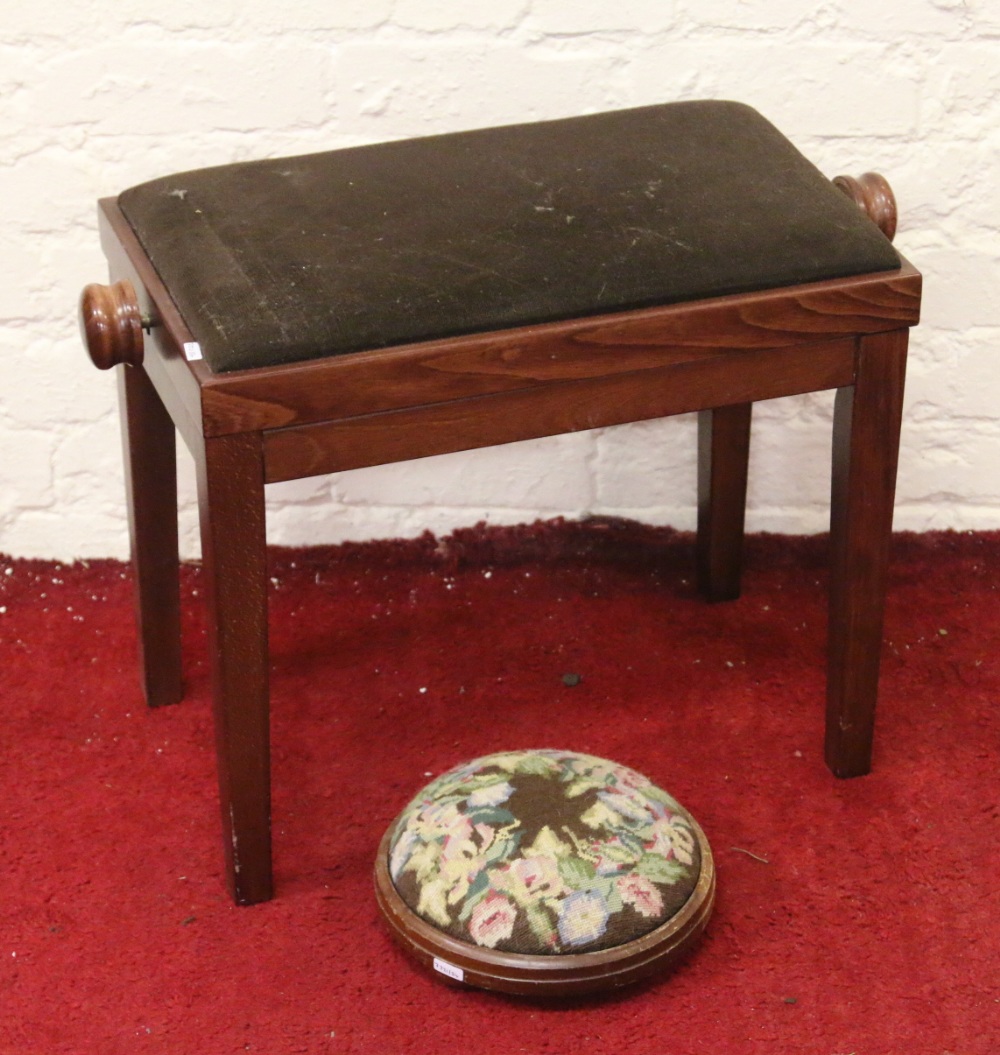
x=873, y=195
x=111, y=324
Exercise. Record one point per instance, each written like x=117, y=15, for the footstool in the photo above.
x=545, y=873
x=308, y=315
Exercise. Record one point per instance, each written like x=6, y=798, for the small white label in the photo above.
x=449, y=969
x=192, y=351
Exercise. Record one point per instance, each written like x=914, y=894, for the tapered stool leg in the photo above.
x=867, y=418
x=150, y=452
x=723, y=453
x=231, y=504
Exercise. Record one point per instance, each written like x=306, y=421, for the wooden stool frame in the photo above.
x=253, y=427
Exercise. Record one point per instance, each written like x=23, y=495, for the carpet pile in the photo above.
x=856, y=916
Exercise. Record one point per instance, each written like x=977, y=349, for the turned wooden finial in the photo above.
x=873, y=195
x=111, y=324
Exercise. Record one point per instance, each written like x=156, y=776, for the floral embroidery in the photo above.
x=583, y=917
x=544, y=852
x=492, y=920
x=641, y=894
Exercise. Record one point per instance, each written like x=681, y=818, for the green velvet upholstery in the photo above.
x=544, y=852
x=298, y=258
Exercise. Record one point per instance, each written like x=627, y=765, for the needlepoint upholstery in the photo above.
x=291, y=259
x=544, y=853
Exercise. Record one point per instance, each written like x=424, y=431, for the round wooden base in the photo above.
x=462, y=963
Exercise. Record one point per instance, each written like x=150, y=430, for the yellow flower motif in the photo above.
x=462, y=860
x=442, y=821
x=672, y=838
x=600, y=815
x=491, y=795
x=548, y=844
x=423, y=862
x=433, y=903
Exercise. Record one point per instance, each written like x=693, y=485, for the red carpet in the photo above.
x=853, y=917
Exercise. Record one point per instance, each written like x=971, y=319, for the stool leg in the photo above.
x=231, y=507
x=723, y=452
x=150, y=451
x=866, y=428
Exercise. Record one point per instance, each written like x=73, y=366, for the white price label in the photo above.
x=449, y=969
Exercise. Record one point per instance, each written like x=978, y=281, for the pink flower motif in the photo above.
x=641, y=894
x=539, y=876
x=492, y=920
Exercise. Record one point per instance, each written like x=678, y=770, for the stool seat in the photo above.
x=300, y=258
x=545, y=871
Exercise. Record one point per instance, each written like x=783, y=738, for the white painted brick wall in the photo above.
x=97, y=96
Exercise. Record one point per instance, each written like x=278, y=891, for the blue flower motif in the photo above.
x=583, y=918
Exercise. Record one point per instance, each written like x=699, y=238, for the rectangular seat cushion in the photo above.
x=289, y=259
